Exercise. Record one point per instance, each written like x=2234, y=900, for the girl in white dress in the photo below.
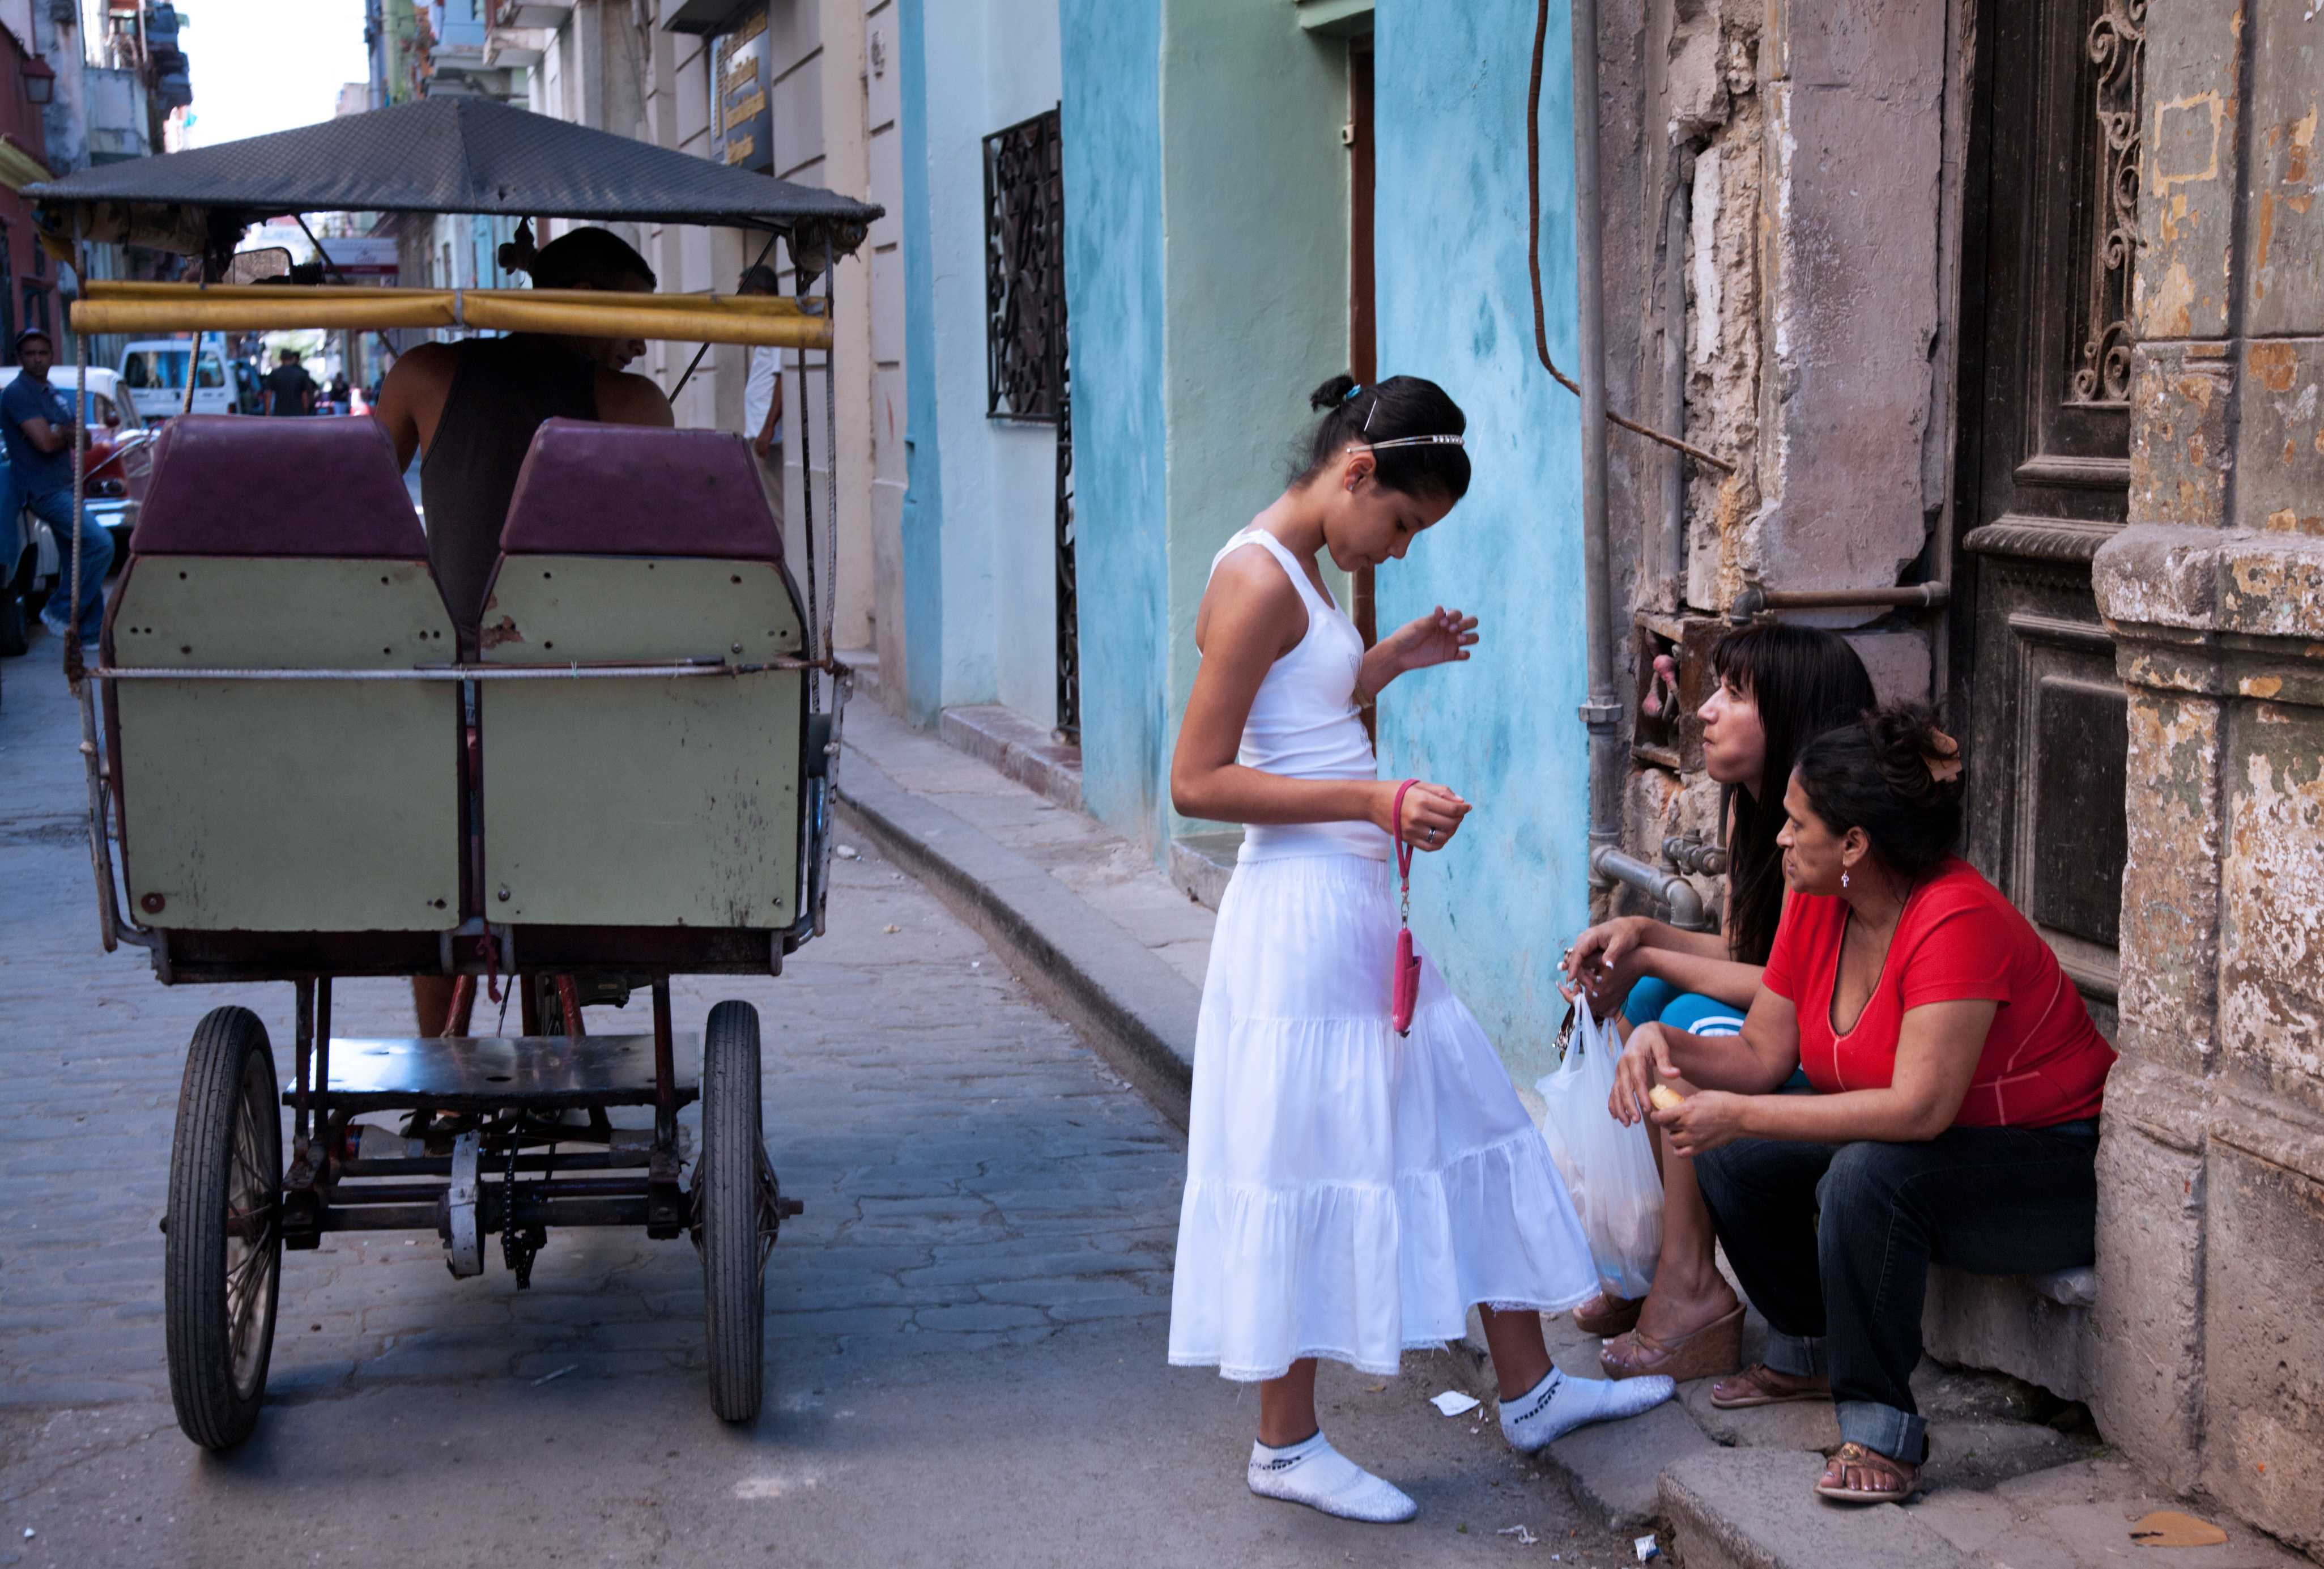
x=1350, y=1192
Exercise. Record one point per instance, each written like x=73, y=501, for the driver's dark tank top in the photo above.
x=502, y=389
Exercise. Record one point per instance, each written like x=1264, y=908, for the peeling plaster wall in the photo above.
x=1817, y=155
x=2212, y=1284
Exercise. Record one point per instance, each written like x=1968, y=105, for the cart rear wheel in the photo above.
x=224, y=1258
x=726, y=1208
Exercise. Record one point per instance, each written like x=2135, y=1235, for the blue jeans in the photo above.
x=1833, y=1243
x=55, y=508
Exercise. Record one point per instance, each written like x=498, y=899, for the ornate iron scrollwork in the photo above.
x=1024, y=270
x=1026, y=376
x=1069, y=635
x=2118, y=51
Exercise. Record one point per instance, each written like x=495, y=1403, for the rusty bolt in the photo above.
x=152, y=903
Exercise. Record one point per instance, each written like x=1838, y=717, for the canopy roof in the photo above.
x=438, y=155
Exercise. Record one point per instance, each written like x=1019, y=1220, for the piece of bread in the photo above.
x=1665, y=1097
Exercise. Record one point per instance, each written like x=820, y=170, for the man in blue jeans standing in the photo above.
x=36, y=419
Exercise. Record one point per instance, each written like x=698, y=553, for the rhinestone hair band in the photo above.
x=1416, y=441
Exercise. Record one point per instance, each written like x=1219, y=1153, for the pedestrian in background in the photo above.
x=1352, y=1188
x=289, y=390
x=37, y=421
x=762, y=398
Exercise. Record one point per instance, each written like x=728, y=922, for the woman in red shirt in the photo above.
x=1960, y=1080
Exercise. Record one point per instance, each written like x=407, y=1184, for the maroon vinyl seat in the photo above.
x=226, y=485
x=626, y=545
x=629, y=490
x=255, y=805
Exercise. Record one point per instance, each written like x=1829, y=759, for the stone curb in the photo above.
x=1137, y=1012
x=1016, y=748
x=1751, y=1509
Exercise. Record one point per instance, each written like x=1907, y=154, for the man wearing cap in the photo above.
x=36, y=420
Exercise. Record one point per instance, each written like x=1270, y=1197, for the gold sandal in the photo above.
x=1716, y=1348
x=1897, y=1481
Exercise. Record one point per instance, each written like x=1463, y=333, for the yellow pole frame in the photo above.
x=759, y=320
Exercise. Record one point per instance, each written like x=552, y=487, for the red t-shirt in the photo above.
x=2043, y=1062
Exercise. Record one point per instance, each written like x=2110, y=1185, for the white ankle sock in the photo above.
x=1557, y=1405
x=1316, y=1474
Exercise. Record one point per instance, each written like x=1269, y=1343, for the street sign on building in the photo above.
x=742, y=123
x=364, y=259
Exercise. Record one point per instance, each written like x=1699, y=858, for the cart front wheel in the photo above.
x=727, y=1210
x=224, y=1259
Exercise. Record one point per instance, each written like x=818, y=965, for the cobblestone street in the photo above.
x=965, y=1328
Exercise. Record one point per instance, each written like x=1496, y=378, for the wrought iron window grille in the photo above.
x=1025, y=271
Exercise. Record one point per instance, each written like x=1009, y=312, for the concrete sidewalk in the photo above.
x=1101, y=935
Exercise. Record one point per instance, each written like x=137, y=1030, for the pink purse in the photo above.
x=1408, y=963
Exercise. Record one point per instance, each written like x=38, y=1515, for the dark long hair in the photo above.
x=1803, y=680
x=1875, y=775
x=1399, y=406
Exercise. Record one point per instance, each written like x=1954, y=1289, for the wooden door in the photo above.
x=2051, y=241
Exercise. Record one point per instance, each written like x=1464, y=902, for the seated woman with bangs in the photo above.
x=1960, y=1081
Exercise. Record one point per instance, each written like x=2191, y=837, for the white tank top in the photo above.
x=1304, y=723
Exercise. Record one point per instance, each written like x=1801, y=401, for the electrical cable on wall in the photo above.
x=1533, y=257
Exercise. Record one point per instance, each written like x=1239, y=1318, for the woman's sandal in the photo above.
x=1757, y=1384
x=1895, y=1482
x=1716, y=1348
x=1607, y=1314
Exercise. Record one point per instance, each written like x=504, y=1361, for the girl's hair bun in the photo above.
x=1331, y=393
x=1912, y=753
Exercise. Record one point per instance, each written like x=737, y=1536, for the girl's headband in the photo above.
x=1416, y=441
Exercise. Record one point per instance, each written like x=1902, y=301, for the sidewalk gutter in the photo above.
x=1137, y=1012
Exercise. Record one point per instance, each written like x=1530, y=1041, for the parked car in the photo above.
x=154, y=372
x=120, y=458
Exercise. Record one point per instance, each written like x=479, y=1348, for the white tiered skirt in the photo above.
x=1350, y=1192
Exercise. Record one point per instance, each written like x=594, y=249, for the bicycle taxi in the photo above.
x=297, y=773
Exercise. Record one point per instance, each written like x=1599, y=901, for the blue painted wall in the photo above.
x=1111, y=121
x=1455, y=305
x=923, y=519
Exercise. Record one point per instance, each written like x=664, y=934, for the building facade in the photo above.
x=799, y=90
x=1996, y=328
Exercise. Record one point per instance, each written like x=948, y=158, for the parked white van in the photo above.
x=154, y=373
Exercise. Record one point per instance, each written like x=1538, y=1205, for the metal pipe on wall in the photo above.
x=1669, y=566
x=1598, y=712
x=1673, y=891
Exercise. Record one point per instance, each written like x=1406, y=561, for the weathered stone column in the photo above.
x=2211, y=1202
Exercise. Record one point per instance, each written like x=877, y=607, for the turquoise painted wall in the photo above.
x=1499, y=905
x=1110, y=118
x=923, y=517
x=1255, y=208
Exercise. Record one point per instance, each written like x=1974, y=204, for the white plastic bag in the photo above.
x=1609, y=1169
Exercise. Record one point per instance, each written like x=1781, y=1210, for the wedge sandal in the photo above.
x=1606, y=1314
